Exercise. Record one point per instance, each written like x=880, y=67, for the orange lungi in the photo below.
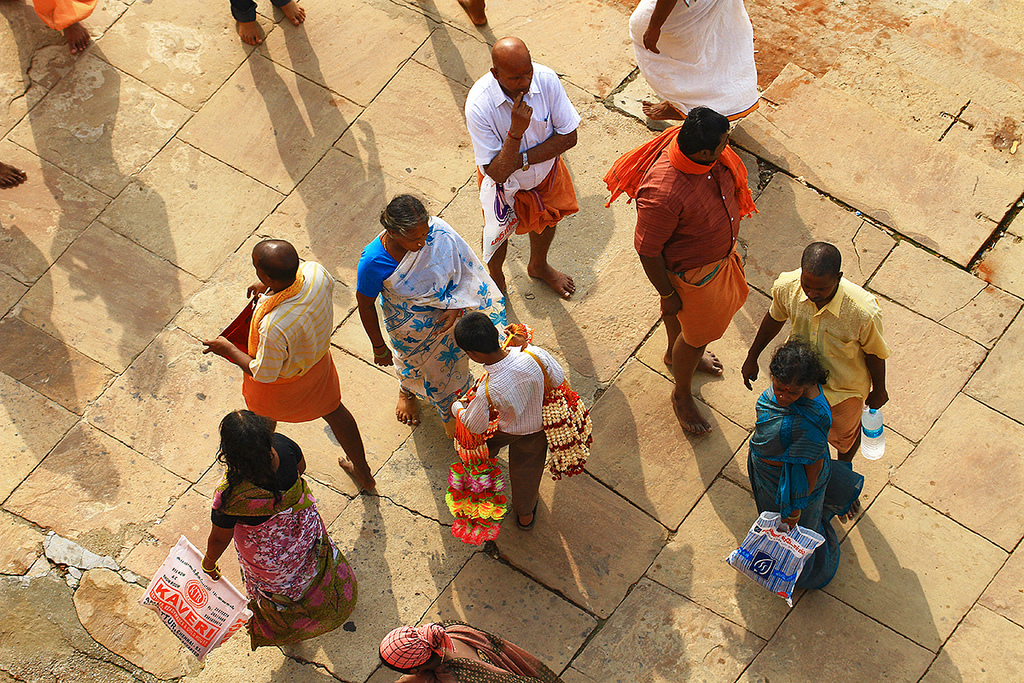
x=546, y=204
x=296, y=399
x=711, y=295
x=846, y=423
x=59, y=14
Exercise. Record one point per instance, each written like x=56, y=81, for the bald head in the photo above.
x=277, y=260
x=512, y=66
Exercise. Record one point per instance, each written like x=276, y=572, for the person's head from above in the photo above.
x=246, y=448
x=703, y=135
x=821, y=269
x=276, y=263
x=512, y=66
x=413, y=650
x=406, y=222
x=795, y=370
x=477, y=336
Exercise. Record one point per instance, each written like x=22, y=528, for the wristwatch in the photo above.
x=526, y=161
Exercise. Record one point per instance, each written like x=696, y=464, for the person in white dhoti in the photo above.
x=695, y=53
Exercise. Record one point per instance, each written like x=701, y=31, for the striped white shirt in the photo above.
x=516, y=387
x=297, y=332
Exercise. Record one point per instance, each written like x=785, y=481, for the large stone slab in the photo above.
x=823, y=639
x=176, y=190
x=94, y=490
x=993, y=383
x=641, y=451
x=416, y=475
x=20, y=545
x=49, y=366
x=354, y=64
x=43, y=215
x=287, y=125
x=461, y=57
x=1001, y=264
x=827, y=149
x=22, y=36
x=496, y=598
x=107, y=297
x=953, y=297
x=985, y=647
x=657, y=636
x=100, y=125
x=10, y=291
x=919, y=584
x=30, y=426
x=985, y=491
x=272, y=664
x=182, y=50
x=693, y=564
x=928, y=366
x=792, y=216
x=588, y=544
x=402, y=562
x=1005, y=595
x=109, y=610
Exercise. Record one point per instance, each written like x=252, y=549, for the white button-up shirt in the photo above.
x=489, y=117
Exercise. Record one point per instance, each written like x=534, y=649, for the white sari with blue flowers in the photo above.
x=444, y=274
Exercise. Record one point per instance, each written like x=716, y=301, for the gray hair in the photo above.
x=402, y=214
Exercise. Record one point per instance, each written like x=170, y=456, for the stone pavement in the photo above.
x=160, y=156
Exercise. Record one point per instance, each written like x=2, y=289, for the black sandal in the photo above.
x=527, y=527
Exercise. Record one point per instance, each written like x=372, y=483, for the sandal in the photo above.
x=527, y=527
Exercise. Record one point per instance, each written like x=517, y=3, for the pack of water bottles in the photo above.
x=775, y=558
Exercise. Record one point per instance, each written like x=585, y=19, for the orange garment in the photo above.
x=296, y=399
x=711, y=295
x=731, y=117
x=543, y=206
x=59, y=14
x=846, y=423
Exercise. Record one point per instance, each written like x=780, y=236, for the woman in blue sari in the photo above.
x=790, y=467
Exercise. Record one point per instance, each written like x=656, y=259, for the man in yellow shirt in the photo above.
x=844, y=323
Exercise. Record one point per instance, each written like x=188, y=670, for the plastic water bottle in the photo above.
x=872, y=434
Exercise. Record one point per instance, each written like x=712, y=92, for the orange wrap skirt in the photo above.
x=296, y=399
x=711, y=296
x=545, y=205
x=59, y=14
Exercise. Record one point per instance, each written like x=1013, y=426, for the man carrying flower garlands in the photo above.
x=514, y=389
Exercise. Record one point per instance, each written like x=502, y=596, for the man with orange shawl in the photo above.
x=289, y=375
x=691, y=192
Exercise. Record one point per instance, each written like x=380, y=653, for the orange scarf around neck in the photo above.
x=266, y=306
x=732, y=161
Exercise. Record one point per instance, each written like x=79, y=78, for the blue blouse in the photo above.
x=375, y=266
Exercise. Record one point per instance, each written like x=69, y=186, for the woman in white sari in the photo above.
x=426, y=276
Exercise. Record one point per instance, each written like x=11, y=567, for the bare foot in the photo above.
x=558, y=281
x=77, y=37
x=249, y=32
x=852, y=513
x=365, y=479
x=407, y=412
x=689, y=417
x=295, y=14
x=660, y=111
x=10, y=176
x=475, y=10
x=710, y=364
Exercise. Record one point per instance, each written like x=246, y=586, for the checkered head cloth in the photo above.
x=408, y=647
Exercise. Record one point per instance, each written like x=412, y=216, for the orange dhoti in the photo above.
x=59, y=14
x=543, y=206
x=296, y=399
x=711, y=296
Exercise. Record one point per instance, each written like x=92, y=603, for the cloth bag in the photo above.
x=774, y=558
x=201, y=612
x=500, y=219
x=567, y=427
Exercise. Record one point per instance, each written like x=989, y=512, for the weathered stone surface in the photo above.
x=22, y=36
x=30, y=426
x=95, y=491
x=49, y=366
x=993, y=384
x=845, y=645
x=928, y=366
x=177, y=190
x=169, y=403
x=402, y=562
x=571, y=675
x=918, y=584
x=792, y=216
x=1005, y=595
x=461, y=57
x=43, y=215
x=356, y=65
x=280, y=139
x=109, y=610
x=985, y=647
x=416, y=475
x=630, y=101
x=20, y=545
x=827, y=137
x=496, y=598
x=351, y=336
x=658, y=636
x=10, y=291
x=953, y=297
x=107, y=297
x=692, y=564
x=100, y=125
x=641, y=451
x=266, y=663
x=985, y=490
x=182, y=50
x=573, y=548
x=61, y=551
